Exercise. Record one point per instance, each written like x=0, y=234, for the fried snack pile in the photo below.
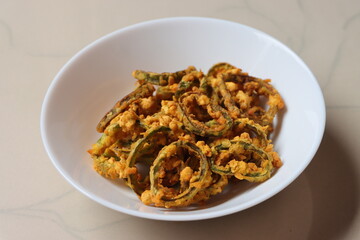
x=180, y=143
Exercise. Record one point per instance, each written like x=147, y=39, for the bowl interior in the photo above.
x=94, y=79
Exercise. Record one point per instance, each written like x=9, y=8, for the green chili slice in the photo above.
x=274, y=102
x=144, y=90
x=139, y=150
x=212, y=121
x=165, y=93
x=106, y=139
x=220, y=90
x=196, y=183
x=258, y=87
x=189, y=81
x=108, y=166
x=257, y=129
x=161, y=79
x=219, y=68
x=241, y=170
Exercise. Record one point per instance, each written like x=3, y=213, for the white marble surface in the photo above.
x=38, y=37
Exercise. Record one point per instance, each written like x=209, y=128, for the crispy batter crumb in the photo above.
x=179, y=138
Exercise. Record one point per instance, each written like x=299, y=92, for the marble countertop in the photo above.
x=38, y=37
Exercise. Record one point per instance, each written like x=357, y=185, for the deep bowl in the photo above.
x=100, y=74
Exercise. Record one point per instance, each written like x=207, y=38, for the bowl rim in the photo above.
x=195, y=215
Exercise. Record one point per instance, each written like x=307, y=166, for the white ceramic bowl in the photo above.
x=100, y=74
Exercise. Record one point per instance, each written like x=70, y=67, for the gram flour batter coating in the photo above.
x=179, y=137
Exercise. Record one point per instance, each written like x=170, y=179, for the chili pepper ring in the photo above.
x=179, y=138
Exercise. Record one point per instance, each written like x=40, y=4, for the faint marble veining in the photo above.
x=339, y=50
x=8, y=32
x=246, y=7
x=35, y=211
x=46, y=201
x=350, y=20
x=47, y=210
x=258, y=13
x=334, y=64
x=9, y=42
x=48, y=216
